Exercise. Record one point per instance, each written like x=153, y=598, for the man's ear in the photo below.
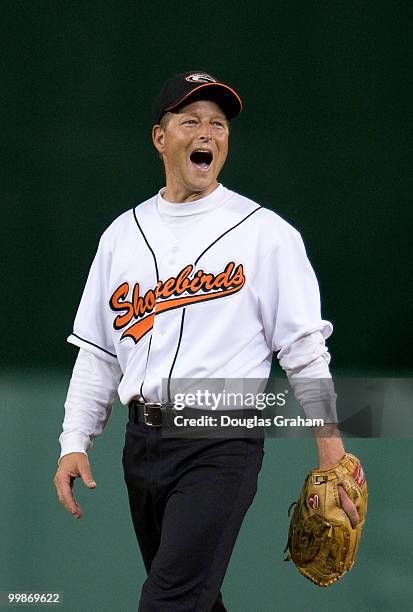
x=158, y=138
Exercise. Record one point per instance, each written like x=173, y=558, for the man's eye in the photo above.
x=218, y=123
x=191, y=121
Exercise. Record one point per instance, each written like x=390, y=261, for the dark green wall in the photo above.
x=323, y=141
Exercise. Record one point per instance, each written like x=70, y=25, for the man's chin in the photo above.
x=205, y=186
x=197, y=190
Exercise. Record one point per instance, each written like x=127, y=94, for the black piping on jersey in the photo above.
x=176, y=355
x=146, y=367
x=157, y=279
x=183, y=313
x=229, y=230
x=96, y=345
x=148, y=245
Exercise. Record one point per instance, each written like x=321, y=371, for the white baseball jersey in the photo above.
x=212, y=300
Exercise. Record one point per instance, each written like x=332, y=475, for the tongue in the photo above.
x=201, y=165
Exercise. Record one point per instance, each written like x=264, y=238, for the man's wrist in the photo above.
x=329, y=445
x=64, y=454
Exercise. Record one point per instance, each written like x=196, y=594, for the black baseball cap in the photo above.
x=187, y=87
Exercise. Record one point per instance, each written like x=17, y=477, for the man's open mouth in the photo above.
x=201, y=158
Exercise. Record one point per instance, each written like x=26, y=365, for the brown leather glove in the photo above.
x=321, y=541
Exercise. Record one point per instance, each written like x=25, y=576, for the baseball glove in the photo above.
x=321, y=541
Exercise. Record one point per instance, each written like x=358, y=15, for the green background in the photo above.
x=323, y=140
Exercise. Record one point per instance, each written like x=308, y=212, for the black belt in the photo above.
x=155, y=414
x=149, y=413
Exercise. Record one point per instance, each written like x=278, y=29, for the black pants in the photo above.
x=188, y=498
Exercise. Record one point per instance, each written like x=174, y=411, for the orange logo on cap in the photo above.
x=200, y=77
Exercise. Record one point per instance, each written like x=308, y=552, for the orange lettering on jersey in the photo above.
x=188, y=287
x=119, y=294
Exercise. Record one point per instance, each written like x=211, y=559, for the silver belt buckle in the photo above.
x=146, y=414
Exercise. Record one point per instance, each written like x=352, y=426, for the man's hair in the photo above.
x=165, y=120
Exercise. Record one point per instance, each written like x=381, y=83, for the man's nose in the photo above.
x=205, y=131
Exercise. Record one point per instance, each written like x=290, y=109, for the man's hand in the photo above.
x=348, y=507
x=330, y=451
x=71, y=466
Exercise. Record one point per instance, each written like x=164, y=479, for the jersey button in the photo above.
x=175, y=249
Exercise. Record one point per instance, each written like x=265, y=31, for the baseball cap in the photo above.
x=187, y=87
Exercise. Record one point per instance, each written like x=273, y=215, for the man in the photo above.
x=196, y=282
